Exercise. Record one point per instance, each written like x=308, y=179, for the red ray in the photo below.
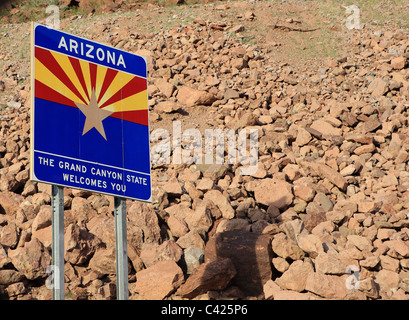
x=48, y=60
x=109, y=77
x=46, y=93
x=136, y=116
x=77, y=68
x=132, y=87
x=93, y=74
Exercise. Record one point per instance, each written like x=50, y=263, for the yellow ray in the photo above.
x=101, y=72
x=86, y=73
x=46, y=77
x=120, y=80
x=65, y=64
x=138, y=101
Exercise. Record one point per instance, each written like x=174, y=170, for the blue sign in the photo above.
x=90, y=127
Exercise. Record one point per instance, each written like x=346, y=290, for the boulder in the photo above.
x=250, y=253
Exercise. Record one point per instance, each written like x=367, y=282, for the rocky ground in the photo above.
x=325, y=216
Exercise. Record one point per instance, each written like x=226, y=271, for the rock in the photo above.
x=398, y=63
x=173, y=187
x=221, y=202
x=326, y=286
x=214, y=275
x=399, y=246
x=332, y=175
x=177, y=226
x=329, y=263
x=369, y=288
x=167, y=107
x=79, y=244
x=388, y=281
x=9, y=235
x=311, y=244
x=103, y=261
x=9, y=276
x=82, y=210
x=144, y=223
x=193, y=97
x=303, y=137
x=153, y=253
x=4, y=259
x=200, y=220
x=101, y=227
x=325, y=128
x=304, y=190
x=231, y=94
x=274, y=192
x=293, y=228
x=191, y=239
x=31, y=260
x=159, y=280
x=367, y=148
x=246, y=250
x=192, y=258
x=377, y=87
x=238, y=63
x=313, y=219
x=285, y=247
x=280, y=264
x=9, y=202
x=270, y=288
x=42, y=219
x=296, y=276
x=165, y=87
x=362, y=243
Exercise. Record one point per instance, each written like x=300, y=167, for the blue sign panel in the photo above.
x=90, y=127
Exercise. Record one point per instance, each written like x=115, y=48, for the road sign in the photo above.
x=90, y=127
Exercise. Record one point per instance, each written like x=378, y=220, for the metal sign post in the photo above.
x=57, y=216
x=121, y=249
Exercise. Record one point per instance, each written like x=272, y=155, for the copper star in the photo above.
x=93, y=115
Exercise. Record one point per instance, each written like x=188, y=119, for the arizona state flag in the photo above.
x=90, y=127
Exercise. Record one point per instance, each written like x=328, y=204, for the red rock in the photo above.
x=103, y=261
x=304, y=190
x=168, y=250
x=332, y=175
x=192, y=97
x=42, y=219
x=82, y=210
x=165, y=87
x=251, y=256
x=9, y=202
x=159, y=280
x=31, y=260
x=9, y=235
x=274, y=192
x=79, y=244
x=326, y=286
x=377, y=87
x=313, y=219
x=215, y=275
x=296, y=276
x=221, y=202
x=398, y=63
